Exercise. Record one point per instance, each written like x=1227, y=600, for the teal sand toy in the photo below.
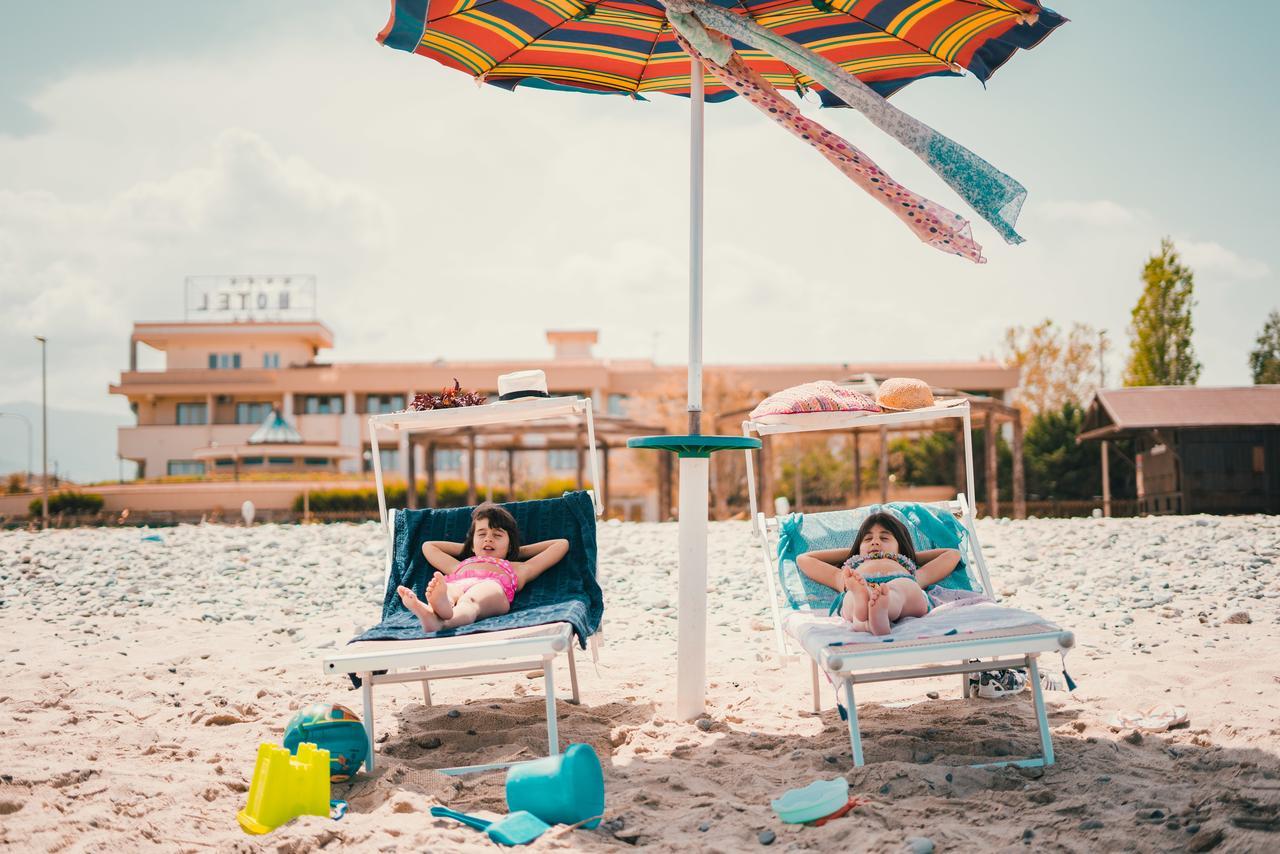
x=518, y=828
x=563, y=789
x=816, y=800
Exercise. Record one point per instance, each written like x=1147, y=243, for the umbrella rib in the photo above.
x=795, y=79
x=909, y=43
x=544, y=33
x=656, y=37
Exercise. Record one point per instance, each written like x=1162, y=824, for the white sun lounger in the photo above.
x=951, y=640
x=428, y=659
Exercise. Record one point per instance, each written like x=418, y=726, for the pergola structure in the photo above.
x=565, y=434
x=986, y=411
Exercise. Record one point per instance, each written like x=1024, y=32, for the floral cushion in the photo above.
x=819, y=396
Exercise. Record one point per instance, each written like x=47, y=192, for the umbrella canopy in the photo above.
x=628, y=47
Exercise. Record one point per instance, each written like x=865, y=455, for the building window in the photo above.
x=322, y=404
x=224, y=361
x=224, y=464
x=185, y=467
x=448, y=459
x=193, y=413
x=281, y=461
x=252, y=413
x=378, y=404
x=270, y=360
x=389, y=459
x=251, y=461
x=617, y=405
x=316, y=461
x=562, y=459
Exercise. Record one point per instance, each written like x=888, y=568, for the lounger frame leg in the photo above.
x=855, y=734
x=553, y=735
x=1037, y=694
x=573, y=676
x=1045, y=759
x=817, y=687
x=366, y=697
x=426, y=689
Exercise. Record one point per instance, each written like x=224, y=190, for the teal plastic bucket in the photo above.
x=564, y=789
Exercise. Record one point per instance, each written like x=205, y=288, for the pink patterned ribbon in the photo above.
x=930, y=221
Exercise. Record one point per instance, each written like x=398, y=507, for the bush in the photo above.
x=70, y=503
x=449, y=493
x=553, y=488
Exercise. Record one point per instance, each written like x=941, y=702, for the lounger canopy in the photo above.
x=953, y=639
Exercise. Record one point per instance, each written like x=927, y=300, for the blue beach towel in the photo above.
x=565, y=593
x=930, y=527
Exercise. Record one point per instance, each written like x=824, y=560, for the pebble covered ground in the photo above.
x=146, y=665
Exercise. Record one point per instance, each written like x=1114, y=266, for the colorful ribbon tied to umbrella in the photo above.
x=852, y=53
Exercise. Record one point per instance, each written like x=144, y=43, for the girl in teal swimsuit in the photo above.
x=882, y=577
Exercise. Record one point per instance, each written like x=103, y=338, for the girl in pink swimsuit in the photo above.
x=480, y=577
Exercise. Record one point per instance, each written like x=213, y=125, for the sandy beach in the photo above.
x=142, y=676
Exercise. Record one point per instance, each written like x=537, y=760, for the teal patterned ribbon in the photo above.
x=995, y=196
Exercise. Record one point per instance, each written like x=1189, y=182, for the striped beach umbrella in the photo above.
x=629, y=47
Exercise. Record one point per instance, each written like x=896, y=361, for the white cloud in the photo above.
x=1211, y=257
x=1101, y=213
x=82, y=272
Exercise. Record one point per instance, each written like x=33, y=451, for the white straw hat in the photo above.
x=518, y=384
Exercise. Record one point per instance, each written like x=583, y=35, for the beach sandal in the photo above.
x=1157, y=718
x=997, y=684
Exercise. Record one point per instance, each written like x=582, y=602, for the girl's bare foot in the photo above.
x=878, y=610
x=854, y=607
x=430, y=622
x=438, y=597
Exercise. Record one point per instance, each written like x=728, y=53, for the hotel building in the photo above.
x=228, y=369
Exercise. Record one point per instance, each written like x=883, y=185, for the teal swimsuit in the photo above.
x=854, y=562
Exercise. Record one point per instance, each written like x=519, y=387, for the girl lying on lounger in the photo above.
x=480, y=577
x=882, y=578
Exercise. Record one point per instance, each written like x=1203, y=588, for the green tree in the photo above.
x=1057, y=465
x=1264, y=361
x=1160, y=345
x=825, y=479
x=929, y=460
x=1054, y=365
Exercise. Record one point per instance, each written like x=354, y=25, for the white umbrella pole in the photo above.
x=691, y=644
x=695, y=248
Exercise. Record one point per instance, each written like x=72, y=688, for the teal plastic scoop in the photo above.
x=518, y=828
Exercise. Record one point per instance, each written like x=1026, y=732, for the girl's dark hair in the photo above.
x=892, y=524
x=498, y=517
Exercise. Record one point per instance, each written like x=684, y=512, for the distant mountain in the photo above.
x=82, y=443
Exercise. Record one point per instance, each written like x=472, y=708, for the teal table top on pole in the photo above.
x=694, y=446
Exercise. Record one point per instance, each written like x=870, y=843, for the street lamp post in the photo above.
x=44, y=435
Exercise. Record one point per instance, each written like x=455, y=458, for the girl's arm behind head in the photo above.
x=822, y=566
x=442, y=555
x=935, y=565
x=537, y=558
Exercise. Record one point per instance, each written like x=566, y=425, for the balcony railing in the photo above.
x=188, y=376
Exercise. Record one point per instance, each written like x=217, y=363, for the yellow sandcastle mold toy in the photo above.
x=285, y=787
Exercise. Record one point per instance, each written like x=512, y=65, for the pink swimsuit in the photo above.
x=476, y=569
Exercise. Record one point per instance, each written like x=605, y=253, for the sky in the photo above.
x=144, y=142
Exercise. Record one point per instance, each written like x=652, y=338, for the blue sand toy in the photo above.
x=563, y=789
x=334, y=728
x=519, y=828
